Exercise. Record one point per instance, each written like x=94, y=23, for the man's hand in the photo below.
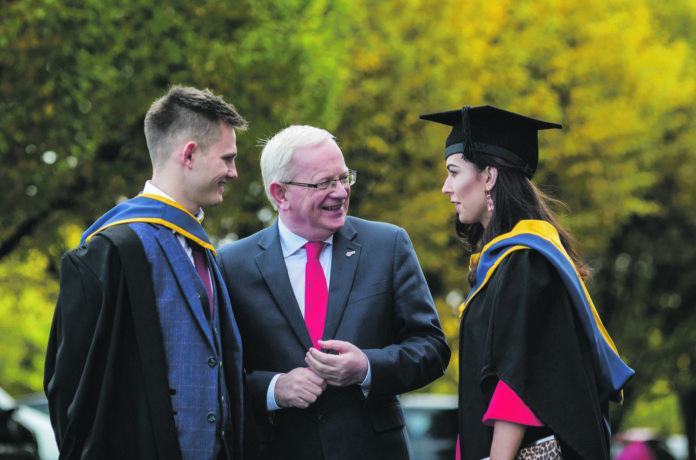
x=298, y=388
x=348, y=367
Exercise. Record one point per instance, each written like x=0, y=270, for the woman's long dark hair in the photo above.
x=515, y=198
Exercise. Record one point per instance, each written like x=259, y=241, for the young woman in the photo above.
x=535, y=362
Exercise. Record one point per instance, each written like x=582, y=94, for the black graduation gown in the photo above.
x=522, y=328
x=111, y=379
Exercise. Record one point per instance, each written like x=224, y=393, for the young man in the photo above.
x=143, y=324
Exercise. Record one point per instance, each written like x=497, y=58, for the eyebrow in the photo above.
x=328, y=178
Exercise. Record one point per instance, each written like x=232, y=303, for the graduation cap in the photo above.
x=490, y=130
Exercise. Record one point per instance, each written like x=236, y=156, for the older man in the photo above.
x=335, y=314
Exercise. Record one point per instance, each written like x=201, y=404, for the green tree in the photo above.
x=645, y=278
x=648, y=285
x=78, y=77
x=607, y=71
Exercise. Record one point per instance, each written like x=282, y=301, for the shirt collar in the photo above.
x=290, y=243
x=151, y=189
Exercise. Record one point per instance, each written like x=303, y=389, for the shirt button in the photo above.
x=212, y=362
x=321, y=418
x=211, y=417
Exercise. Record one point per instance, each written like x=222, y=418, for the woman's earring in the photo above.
x=489, y=201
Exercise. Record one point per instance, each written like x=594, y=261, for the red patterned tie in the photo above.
x=316, y=293
x=202, y=269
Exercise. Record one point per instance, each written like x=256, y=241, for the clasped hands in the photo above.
x=303, y=385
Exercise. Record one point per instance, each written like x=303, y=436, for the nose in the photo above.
x=447, y=187
x=232, y=172
x=339, y=190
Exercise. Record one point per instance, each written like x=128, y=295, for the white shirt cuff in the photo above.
x=365, y=386
x=270, y=394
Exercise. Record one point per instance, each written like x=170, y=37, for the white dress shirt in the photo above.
x=151, y=189
x=296, y=260
x=295, y=257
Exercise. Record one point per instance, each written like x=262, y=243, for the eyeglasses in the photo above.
x=348, y=179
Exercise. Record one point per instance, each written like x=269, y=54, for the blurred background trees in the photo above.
x=76, y=79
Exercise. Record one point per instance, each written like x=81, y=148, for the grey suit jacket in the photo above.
x=378, y=301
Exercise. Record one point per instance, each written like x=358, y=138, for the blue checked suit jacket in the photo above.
x=196, y=349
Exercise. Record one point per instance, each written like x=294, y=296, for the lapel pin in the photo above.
x=350, y=253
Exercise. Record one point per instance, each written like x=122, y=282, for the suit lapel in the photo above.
x=184, y=273
x=271, y=264
x=344, y=266
x=223, y=306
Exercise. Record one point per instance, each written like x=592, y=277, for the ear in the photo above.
x=490, y=177
x=186, y=154
x=278, y=191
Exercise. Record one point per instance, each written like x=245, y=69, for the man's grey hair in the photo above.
x=278, y=151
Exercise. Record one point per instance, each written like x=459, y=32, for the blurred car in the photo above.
x=25, y=433
x=36, y=401
x=431, y=422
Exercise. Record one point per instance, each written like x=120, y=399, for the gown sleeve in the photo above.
x=506, y=405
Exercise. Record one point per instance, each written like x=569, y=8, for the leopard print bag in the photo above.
x=543, y=449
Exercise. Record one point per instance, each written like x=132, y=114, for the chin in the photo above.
x=339, y=222
x=333, y=226
x=212, y=202
x=465, y=221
